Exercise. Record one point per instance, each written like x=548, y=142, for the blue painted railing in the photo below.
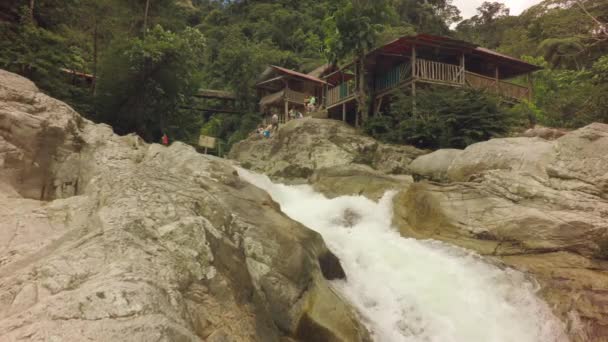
x=393, y=77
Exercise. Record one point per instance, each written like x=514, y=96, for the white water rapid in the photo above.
x=412, y=290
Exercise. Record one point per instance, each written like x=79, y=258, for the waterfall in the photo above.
x=415, y=290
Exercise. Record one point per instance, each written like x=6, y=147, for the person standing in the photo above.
x=165, y=139
x=310, y=107
x=313, y=102
x=275, y=121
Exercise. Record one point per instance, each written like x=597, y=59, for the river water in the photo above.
x=415, y=290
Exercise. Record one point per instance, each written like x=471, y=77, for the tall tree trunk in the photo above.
x=140, y=121
x=363, y=91
x=146, y=16
x=32, y=3
x=95, y=52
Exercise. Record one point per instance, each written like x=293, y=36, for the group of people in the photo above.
x=295, y=114
x=267, y=130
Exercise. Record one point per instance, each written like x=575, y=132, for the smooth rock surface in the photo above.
x=107, y=238
x=357, y=180
x=522, y=155
x=434, y=166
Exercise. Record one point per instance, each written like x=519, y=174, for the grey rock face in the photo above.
x=538, y=205
x=332, y=156
x=356, y=179
x=303, y=146
x=107, y=238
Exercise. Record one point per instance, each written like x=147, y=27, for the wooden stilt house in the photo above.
x=281, y=89
x=422, y=60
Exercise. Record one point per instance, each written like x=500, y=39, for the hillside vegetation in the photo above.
x=150, y=56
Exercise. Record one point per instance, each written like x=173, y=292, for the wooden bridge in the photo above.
x=227, y=101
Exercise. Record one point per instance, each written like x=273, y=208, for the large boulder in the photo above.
x=304, y=146
x=539, y=206
x=581, y=162
x=107, y=238
x=522, y=155
x=434, y=166
x=357, y=180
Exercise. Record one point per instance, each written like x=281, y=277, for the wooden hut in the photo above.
x=281, y=89
x=422, y=60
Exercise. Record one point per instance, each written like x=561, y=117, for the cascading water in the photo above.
x=412, y=290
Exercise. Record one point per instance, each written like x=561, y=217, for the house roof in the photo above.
x=270, y=75
x=338, y=77
x=403, y=45
x=272, y=98
x=482, y=50
x=298, y=74
x=322, y=70
x=406, y=42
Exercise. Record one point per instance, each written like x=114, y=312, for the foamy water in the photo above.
x=413, y=290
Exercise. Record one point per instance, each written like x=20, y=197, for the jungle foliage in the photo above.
x=150, y=56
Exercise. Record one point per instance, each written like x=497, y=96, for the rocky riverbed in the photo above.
x=107, y=238
x=539, y=206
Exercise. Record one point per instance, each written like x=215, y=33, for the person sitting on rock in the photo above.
x=258, y=132
x=266, y=133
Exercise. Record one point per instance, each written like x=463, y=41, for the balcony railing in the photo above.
x=340, y=93
x=438, y=72
x=506, y=89
x=393, y=77
x=295, y=96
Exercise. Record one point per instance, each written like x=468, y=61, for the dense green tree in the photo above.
x=432, y=16
x=351, y=32
x=568, y=38
x=144, y=81
x=568, y=98
x=487, y=26
x=444, y=117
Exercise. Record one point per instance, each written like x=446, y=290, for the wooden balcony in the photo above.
x=505, y=89
x=295, y=96
x=340, y=93
x=397, y=75
x=429, y=72
x=436, y=72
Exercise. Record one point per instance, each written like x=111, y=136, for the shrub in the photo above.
x=442, y=118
